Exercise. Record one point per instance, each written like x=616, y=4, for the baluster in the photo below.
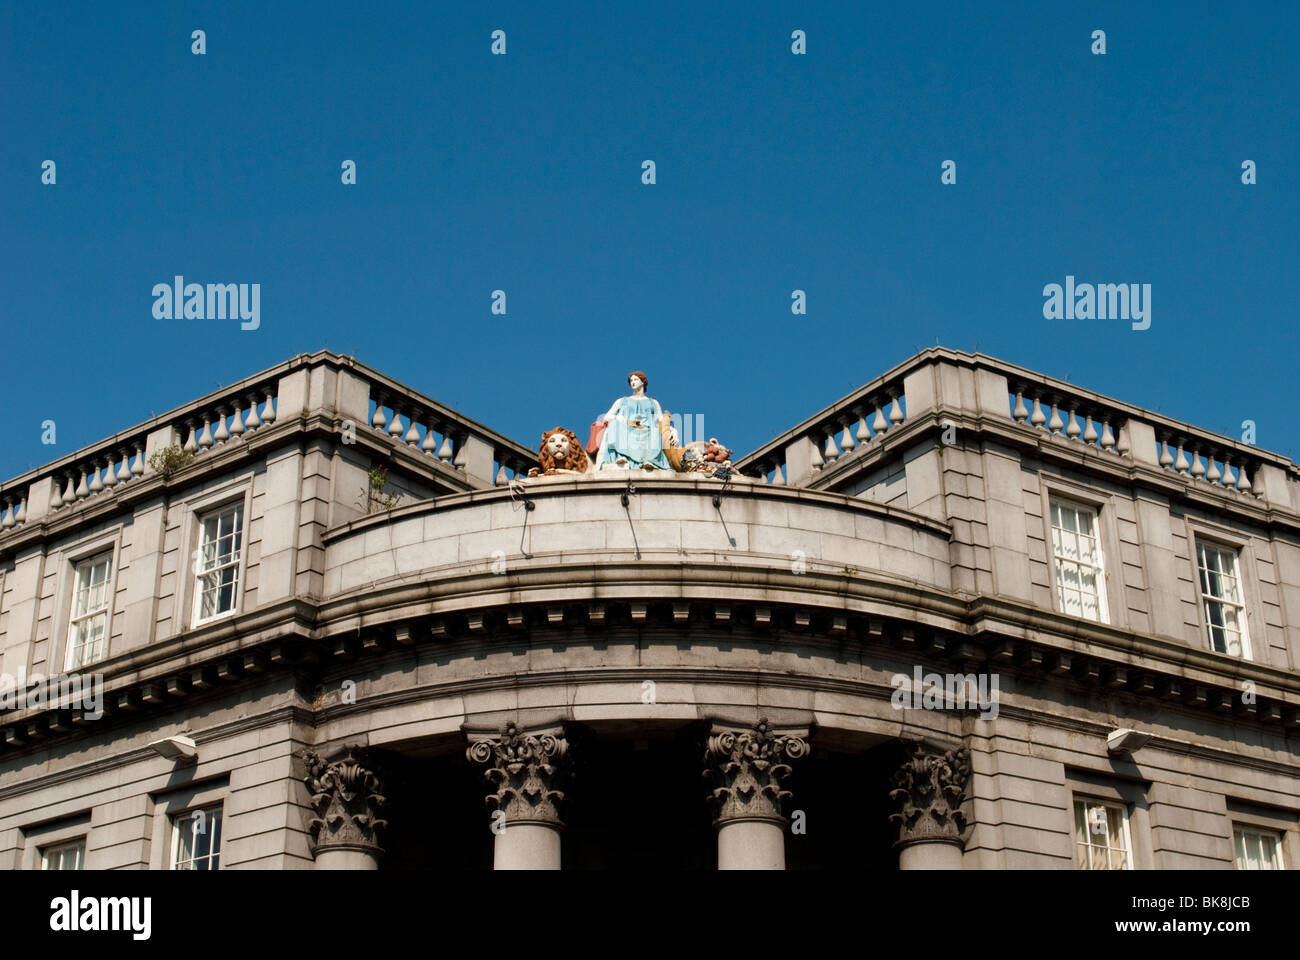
x=56, y=498
x=205, y=438
x=503, y=479
x=137, y=465
x=1038, y=418
x=1229, y=478
x=879, y=425
x=412, y=437
x=237, y=421
x=461, y=457
x=7, y=520
x=444, y=452
x=847, y=443
x=1198, y=468
x=379, y=421
x=1243, y=481
x=815, y=459
x=192, y=444
x=253, y=421
x=1213, y=474
x=1181, y=464
x=895, y=414
x=70, y=493
x=1090, y=432
x=1121, y=442
x=82, y=490
x=268, y=411
x=222, y=434
x=1020, y=414
x=864, y=435
x=20, y=515
x=1056, y=423
x=124, y=471
x=429, y=444
x=1073, y=429
x=96, y=484
x=1166, y=458
x=1107, y=438
x=832, y=452
x=395, y=427
x=110, y=475
x=778, y=476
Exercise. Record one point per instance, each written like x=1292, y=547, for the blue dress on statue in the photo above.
x=638, y=445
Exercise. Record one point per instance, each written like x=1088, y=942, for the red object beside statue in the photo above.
x=596, y=438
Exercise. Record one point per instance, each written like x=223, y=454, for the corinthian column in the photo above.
x=524, y=769
x=930, y=788
x=746, y=768
x=346, y=793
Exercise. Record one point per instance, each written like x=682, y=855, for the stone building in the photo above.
x=967, y=616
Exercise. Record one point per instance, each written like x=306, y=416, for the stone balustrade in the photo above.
x=848, y=430
x=106, y=468
x=940, y=386
x=440, y=435
x=332, y=392
x=1070, y=415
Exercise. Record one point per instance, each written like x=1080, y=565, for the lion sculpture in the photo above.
x=561, y=452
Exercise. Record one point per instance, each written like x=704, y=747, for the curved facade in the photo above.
x=966, y=617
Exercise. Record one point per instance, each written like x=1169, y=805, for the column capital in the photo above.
x=746, y=768
x=347, y=794
x=930, y=787
x=525, y=768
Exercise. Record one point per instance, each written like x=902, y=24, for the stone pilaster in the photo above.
x=347, y=794
x=930, y=787
x=747, y=769
x=525, y=770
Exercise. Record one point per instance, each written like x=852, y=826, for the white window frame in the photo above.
x=240, y=508
x=1056, y=502
x=187, y=822
x=62, y=847
x=1250, y=830
x=88, y=566
x=1111, y=806
x=1202, y=545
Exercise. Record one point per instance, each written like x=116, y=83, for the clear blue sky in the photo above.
x=523, y=172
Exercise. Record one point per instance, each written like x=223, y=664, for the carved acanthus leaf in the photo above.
x=347, y=795
x=930, y=787
x=525, y=770
x=746, y=768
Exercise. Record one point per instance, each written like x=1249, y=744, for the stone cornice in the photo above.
x=285, y=714
x=998, y=633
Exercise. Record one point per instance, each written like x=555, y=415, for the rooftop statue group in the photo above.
x=635, y=434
